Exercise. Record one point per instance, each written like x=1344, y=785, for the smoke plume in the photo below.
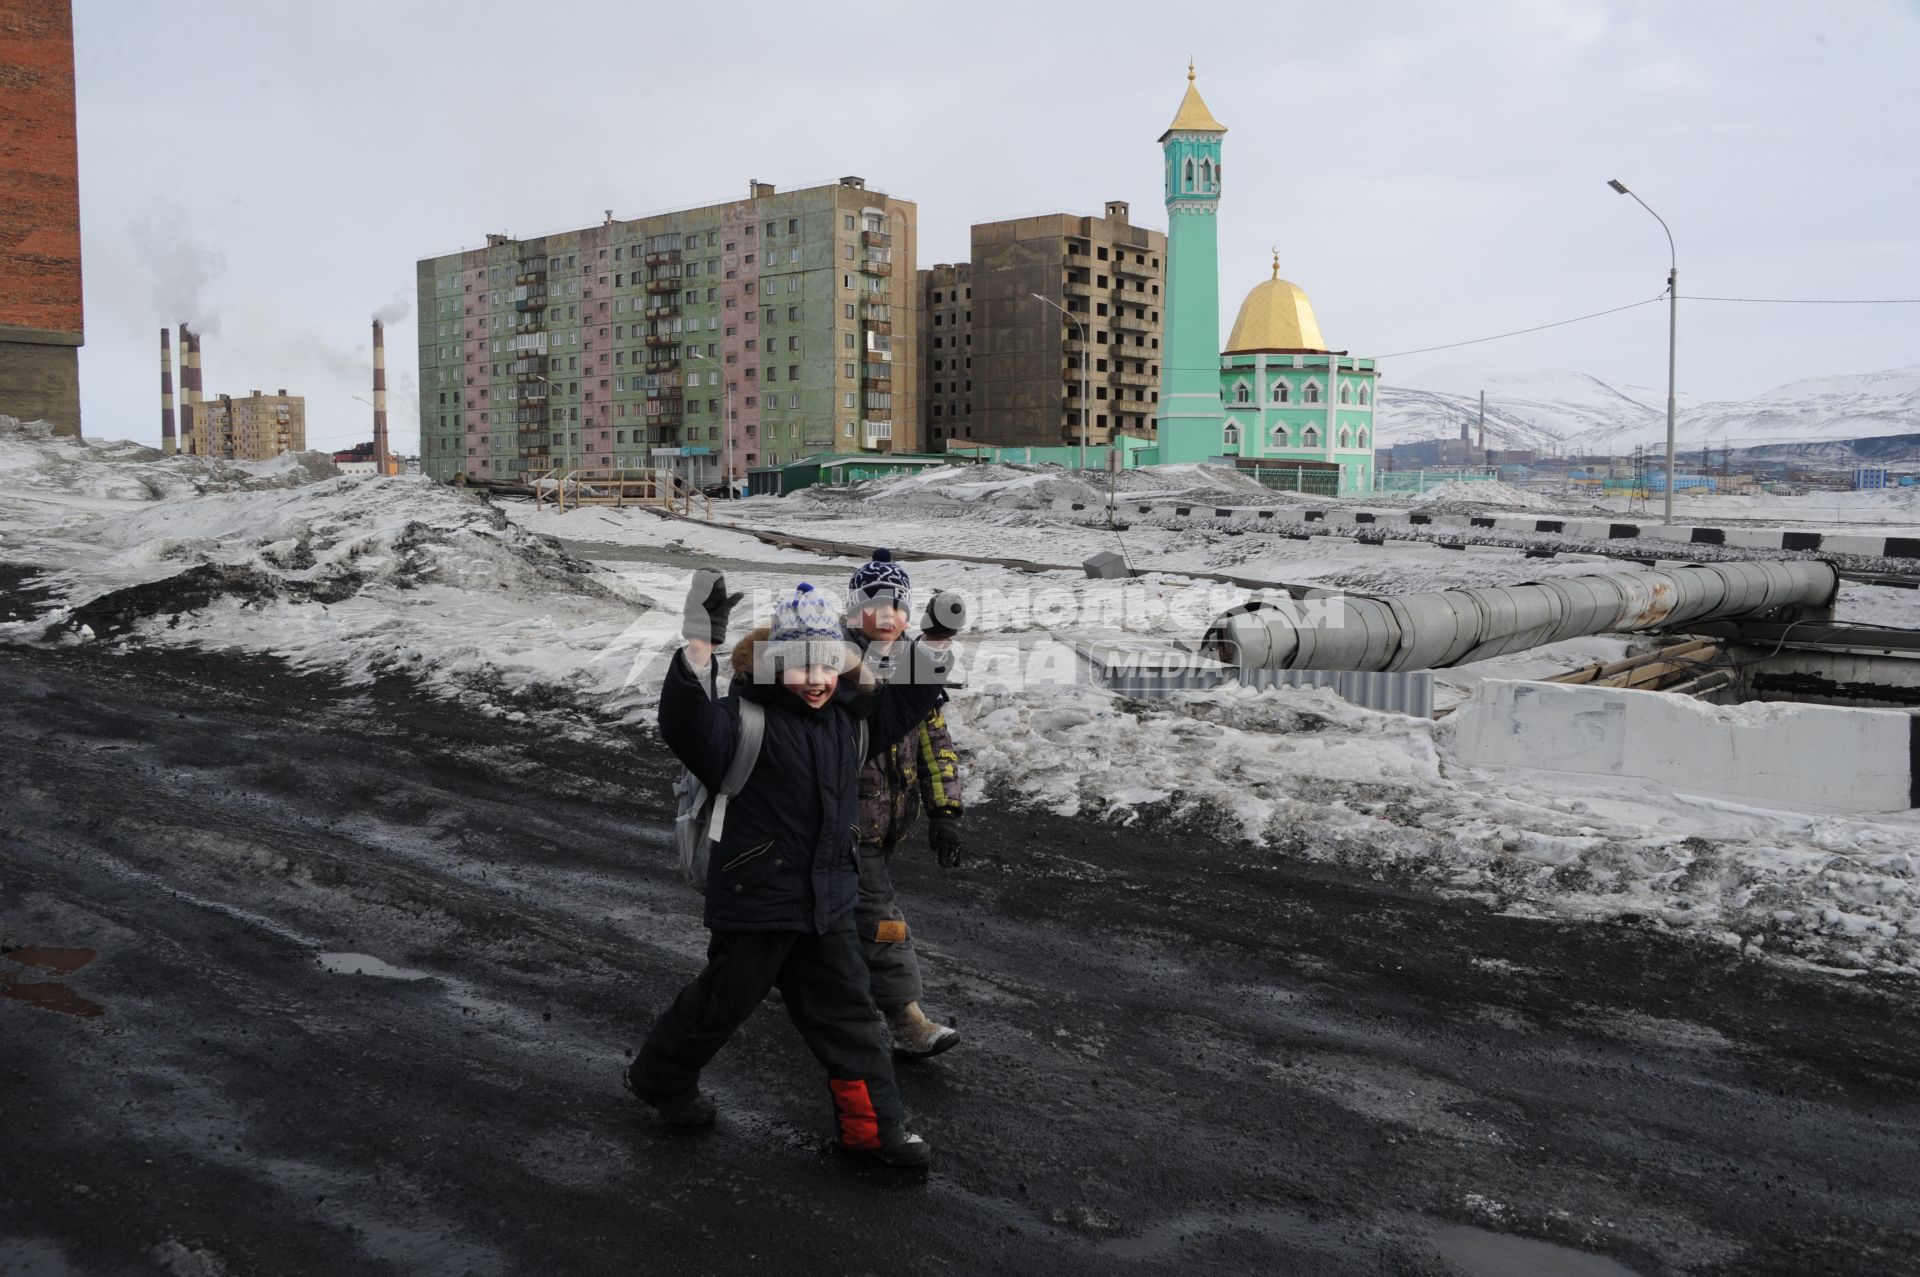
x=182, y=268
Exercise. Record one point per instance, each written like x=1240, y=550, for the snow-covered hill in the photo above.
x=1560, y=410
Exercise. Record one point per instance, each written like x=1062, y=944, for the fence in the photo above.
x=1418, y=481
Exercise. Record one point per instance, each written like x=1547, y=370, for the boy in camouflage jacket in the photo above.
x=919, y=773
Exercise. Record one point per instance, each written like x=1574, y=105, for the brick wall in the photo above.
x=39, y=173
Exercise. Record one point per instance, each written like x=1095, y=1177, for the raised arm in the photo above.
x=696, y=725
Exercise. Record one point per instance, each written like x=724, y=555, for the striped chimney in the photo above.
x=167, y=443
x=380, y=459
x=188, y=438
x=200, y=399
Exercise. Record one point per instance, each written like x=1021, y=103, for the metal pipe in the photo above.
x=168, y=444
x=1458, y=627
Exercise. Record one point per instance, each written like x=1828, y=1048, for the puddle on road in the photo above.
x=48, y=995
x=58, y=961
x=1485, y=1254
x=362, y=964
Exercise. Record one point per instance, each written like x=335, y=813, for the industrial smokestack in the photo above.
x=1483, y=421
x=167, y=442
x=188, y=439
x=198, y=393
x=380, y=398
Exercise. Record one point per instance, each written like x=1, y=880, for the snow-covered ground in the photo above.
x=365, y=575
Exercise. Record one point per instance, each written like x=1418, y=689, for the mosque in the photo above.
x=1274, y=394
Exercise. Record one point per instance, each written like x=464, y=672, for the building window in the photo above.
x=1312, y=394
x=1232, y=435
x=1189, y=174
x=1241, y=394
x=1310, y=438
x=1346, y=394
x=1362, y=440
x=1280, y=436
x=1364, y=397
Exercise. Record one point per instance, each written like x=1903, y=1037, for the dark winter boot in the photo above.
x=917, y=1037
x=690, y=1108
x=896, y=1148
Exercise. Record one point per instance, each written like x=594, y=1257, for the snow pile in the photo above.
x=1489, y=493
x=1303, y=773
x=33, y=460
x=976, y=489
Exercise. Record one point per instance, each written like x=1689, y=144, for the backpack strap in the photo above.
x=746, y=752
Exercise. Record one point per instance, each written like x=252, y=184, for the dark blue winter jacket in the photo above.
x=785, y=859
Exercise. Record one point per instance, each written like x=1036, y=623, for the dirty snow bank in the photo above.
x=33, y=461
x=995, y=486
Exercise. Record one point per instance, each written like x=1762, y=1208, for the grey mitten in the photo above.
x=946, y=615
x=708, y=607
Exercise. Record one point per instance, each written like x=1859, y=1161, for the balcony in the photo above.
x=1131, y=324
x=663, y=259
x=532, y=272
x=673, y=418
x=669, y=364
x=1078, y=287
x=1132, y=270
x=879, y=376
x=662, y=435
x=531, y=368
x=877, y=436
x=664, y=284
x=532, y=301
x=1140, y=379
x=876, y=239
x=872, y=267
x=665, y=310
x=657, y=340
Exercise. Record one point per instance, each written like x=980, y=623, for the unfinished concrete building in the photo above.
x=1019, y=363
x=253, y=427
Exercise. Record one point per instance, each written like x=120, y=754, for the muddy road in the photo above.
x=1180, y=1055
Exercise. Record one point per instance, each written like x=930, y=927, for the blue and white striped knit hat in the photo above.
x=880, y=579
x=807, y=630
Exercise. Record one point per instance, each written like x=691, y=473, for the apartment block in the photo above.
x=41, y=326
x=251, y=427
x=946, y=355
x=1004, y=365
x=709, y=340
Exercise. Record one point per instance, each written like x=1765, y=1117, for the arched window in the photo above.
x=1363, y=433
x=1241, y=394
x=1280, y=436
x=1280, y=392
x=1189, y=182
x=1310, y=438
x=1206, y=175
x=1232, y=435
x=1365, y=398
x=1345, y=438
x=1346, y=394
x=1313, y=393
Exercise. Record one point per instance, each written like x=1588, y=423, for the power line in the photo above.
x=1810, y=301
x=1558, y=323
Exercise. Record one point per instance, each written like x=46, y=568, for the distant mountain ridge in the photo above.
x=1562, y=411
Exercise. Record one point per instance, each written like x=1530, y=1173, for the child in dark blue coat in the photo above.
x=783, y=878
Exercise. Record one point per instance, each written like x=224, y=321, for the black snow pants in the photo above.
x=885, y=938
x=823, y=982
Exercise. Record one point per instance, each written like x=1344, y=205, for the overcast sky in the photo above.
x=1430, y=172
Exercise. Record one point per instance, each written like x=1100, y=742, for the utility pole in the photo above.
x=1086, y=362
x=1673, y=328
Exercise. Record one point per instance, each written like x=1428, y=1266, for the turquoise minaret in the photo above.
x=1190, y=412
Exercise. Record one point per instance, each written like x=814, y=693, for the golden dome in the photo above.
x=1193, y=116
x=1275, y=316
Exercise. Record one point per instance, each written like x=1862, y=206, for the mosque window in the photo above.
x=1346, y=394
x=1345, y=438
x=1280, y=437
x=1363, y=434
x=1310, y=438
x=1189, y=174
x=1365, y=398
x=1313, y=393
x=1206, y=175
x=1241, y=394
x=1281, y=392
x=1232, y=435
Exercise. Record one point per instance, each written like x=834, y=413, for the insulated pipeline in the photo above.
x=1457, y=627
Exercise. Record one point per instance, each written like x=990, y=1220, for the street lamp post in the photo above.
x=729, y=431
x=1673, y=329
x=1086, y=353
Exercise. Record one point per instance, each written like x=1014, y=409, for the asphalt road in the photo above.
x=1180, y=1055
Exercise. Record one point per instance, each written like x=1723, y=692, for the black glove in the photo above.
x=708, y=607
x=943, y=831
x=945, y=617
